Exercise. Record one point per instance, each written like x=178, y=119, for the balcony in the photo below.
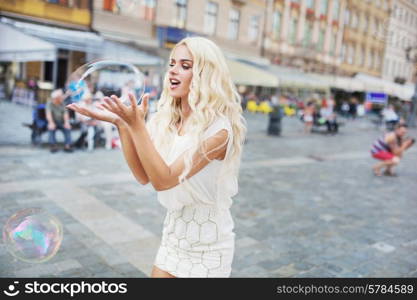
x=39, y=9
x=239, y=2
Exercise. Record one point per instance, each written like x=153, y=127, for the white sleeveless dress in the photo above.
x=198, y=237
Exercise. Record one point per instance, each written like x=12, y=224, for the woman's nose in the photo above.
x=173, y=69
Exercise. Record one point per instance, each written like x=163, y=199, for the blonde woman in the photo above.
x=190, y=152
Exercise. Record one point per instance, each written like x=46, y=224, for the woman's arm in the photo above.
x=163, y=176
x=130, y=154
x=128, y=147
x=159, y=173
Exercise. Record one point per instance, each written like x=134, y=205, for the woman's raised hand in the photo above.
x=134, y=114
x=102, y=114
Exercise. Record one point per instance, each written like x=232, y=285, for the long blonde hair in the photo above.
x=212, y=95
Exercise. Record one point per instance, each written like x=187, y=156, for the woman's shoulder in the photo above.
x=218, y=124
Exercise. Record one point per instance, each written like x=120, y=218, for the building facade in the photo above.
x=126, y=21
x=63, y=23
x=235, y=25
x=400, y=34
x=65, y=13
x=362, y=48
x=305, y=34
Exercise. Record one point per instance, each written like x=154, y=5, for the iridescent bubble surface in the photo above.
x=33, y=235
x=105, y=78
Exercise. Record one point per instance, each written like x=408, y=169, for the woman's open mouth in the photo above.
x=174, y=83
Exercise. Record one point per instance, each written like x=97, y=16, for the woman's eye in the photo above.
x=186, y=67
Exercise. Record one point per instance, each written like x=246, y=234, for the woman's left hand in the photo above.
x=134, y=114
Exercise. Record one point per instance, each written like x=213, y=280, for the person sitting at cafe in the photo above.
x=58, y=118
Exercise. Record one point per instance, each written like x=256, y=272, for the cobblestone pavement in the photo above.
x=308, y=206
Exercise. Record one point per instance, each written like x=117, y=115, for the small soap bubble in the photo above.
x=33, y=235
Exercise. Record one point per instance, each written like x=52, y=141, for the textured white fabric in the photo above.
x=198, y=237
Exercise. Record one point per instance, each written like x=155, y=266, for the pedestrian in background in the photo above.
x=389, y=149
x=353, y=108
x=345, y=109
x=88, y=125
x=58, y=119
x=390, y=117
x=308, y=116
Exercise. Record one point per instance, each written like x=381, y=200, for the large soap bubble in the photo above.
x=32, y=235
x=105, y=78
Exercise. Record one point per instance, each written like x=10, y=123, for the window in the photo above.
x=71, y=3
x=362, y=57
x=351, y=54
x=369, y=60
x=344, y=50
x=335, y=9
x=48, y=70
x=110, y=5
x=276, y=25
x=83, y=4
x=149, y=7
x=372, y=26
x=310, y=4
x=320, y=44
x=365, y=23
x=323, y=7
x=386, y=66
x=254, y=28
x=210, y=19
x=234, y=17
x=181, y=13
x=293, y=33
x=377, y=61
x=354, y=20
x=149, y=3
x=307, y=33
x=333, y=43
x=347, y=17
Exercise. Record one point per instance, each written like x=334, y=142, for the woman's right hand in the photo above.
x=99, y=114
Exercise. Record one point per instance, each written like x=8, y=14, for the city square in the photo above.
x=314, y=100
x=308, y=205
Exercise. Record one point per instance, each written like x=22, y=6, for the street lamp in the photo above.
x=411, y=54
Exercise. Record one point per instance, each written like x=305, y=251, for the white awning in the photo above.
x=290, y=77
x=122, y=52
x=94, y=45
x=74, y=40
x=18, y=46
x=375, y=84
x=404, y=92
x=245, y=74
